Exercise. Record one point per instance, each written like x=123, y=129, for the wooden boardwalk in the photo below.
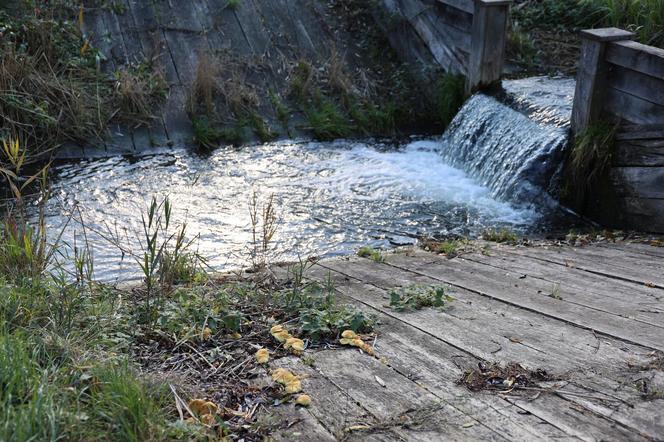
x=593, y=314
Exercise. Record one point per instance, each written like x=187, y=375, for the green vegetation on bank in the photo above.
x=543, y=32
x=51, y=87
x=588, y=162
x=328, y=96
x=80, y=360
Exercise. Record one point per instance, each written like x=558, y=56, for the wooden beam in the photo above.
x=591, y=76
x=489, y=34
x=642, y=58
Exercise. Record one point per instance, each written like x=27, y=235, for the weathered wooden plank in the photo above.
x=639, y=153
x=335, y=409
x=494, y=284
x=456, y=18
x=467, y=6
x=436, y=366
x=614, y=265
x=575, y=286
x=631, y=108
x=638, y=182
x=591, y=77
x=356, y=374
x=644, y=248
x=299, y=424
x=468, y=328
x=642, y=214
x=640, y=132
x=637, y=84
x=642, y=58
x=448, y=57
x=488, y=36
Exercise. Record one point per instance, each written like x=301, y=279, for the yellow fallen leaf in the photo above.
x=202, y=407
x=206, y=333
x=283, y=376
x=236, y=335
x=278, y=374
x=349, y=334
x=262, y=356
x=295, y=344
x=345, y=341
x=294, y=386
x=209, y=419
x=282, y=336
x=357, y=342
x=304, y=400
x=277, y=328
x=367, y=349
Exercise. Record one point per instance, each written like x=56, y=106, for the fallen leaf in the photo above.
x=650, y=285
x=349, y=334
x=293, y=386
x=303, y=400
x=282, y=336
x=206, y=333
x=262, y=356
x=202, y=407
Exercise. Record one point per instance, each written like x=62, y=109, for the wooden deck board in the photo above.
x=499, y=316
x=598, y=369
x=493, y=283
x=610, y=263
x=614, y=297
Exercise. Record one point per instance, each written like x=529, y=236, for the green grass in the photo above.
x=448, y=248
x=449, y=97
x=644, y=17
x=233, y=4
x=588, y=162
x=371, y=253
x=326, y=120
x=504, y=236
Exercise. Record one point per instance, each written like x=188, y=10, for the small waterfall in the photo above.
x=513, y=141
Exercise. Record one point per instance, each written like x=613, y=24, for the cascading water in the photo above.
x=331, y=197
x=514, y=143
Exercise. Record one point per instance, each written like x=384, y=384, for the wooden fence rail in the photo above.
x=461, y=36
x=622, y=81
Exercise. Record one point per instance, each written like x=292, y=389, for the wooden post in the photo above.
x=488, y=38
x=591, y=75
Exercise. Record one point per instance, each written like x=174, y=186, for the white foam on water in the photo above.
x=331, y=198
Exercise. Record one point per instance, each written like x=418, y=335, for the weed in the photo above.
x=205, y=85
x=449, y=97
x=417, y=297
x=589, y=160
x=520, y=46
x=448, y=248
x=233, y=4
x=281, y=110
x=374, y=255
x=326, y=120
x=263, y=228
x=261, y=128
x=138, y=90
x=503, y=235
x=555, y=292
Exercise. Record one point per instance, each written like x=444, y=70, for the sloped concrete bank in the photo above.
x=250, y=53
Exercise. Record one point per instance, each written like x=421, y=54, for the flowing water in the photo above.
x=489, y=170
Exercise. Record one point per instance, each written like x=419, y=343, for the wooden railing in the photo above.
x=622, y=81
x=463, y=36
